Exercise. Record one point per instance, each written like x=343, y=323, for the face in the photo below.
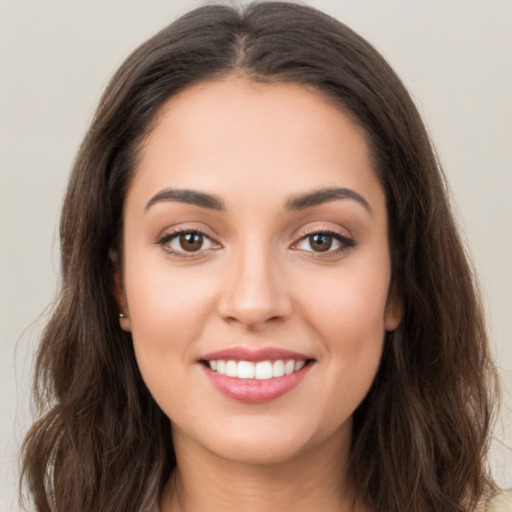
x=256, y=269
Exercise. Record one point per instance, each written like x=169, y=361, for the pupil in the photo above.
x=191, y=241
x=320, y=242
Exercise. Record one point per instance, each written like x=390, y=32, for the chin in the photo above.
x=261, y=440
x=259, y=452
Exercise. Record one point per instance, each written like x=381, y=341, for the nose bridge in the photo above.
x=255, y=293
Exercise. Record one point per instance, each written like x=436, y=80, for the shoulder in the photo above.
x=502, y=502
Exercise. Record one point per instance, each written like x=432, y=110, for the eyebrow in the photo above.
x=187, y=196
x=325, y=195
x=299, y=202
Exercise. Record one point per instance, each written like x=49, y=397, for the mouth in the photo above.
x=262, y=370
x=256, y=376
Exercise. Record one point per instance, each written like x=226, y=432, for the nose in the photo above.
x=256, y=295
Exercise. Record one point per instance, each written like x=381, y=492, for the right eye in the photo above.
x=185, y=242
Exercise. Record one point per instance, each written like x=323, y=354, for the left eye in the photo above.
x=188, y=241
x=320, y=242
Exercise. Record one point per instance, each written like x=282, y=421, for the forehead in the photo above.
x=254, y=138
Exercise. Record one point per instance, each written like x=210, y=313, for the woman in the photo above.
x=265, y=302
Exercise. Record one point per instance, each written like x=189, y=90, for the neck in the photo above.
x=203, y=482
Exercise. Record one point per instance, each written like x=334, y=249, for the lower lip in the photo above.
x=254, y=390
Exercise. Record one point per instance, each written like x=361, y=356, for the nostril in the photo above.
x=254, y=306
x=253, y=318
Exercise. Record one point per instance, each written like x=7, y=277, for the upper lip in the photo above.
x=262, y=354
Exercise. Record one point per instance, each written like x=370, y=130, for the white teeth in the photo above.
x=262, y=370
x=289, y=367
x=278, y=369
x=245, y=370
x=221, y=367
x=231, y=370
x=299, y=365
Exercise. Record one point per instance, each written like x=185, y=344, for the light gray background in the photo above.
x=56, y=57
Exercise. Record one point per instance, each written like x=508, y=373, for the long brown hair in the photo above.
x=420, y=436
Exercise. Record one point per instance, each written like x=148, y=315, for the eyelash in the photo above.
x=345, y=242
x=164, y=240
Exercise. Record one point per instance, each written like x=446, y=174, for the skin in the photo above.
x=257, y=281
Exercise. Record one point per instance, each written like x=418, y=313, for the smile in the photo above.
x=255, y=376
x=263, y=370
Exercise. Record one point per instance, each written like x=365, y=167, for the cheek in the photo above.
x=168, y=311
x=347, y=313
x=167, y=315
x=350, y=300
x=160, y=295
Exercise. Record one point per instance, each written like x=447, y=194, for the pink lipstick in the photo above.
x=255, y=376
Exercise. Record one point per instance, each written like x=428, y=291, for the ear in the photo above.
x=394, y=308
x=119, y=292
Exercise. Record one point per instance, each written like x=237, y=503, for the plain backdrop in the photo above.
x=56, y=57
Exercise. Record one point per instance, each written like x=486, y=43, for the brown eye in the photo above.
x=186, y=243
x=320, y=242
x=324, y=242
x=191, y=241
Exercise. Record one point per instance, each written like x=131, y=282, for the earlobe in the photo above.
x=394, y=309
x=118, y=291
x=124, y=322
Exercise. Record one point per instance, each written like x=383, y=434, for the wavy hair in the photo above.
x=420, y=437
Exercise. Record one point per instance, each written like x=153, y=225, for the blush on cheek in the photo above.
x=167, y=309
x=354, y=324
x=351, y=314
